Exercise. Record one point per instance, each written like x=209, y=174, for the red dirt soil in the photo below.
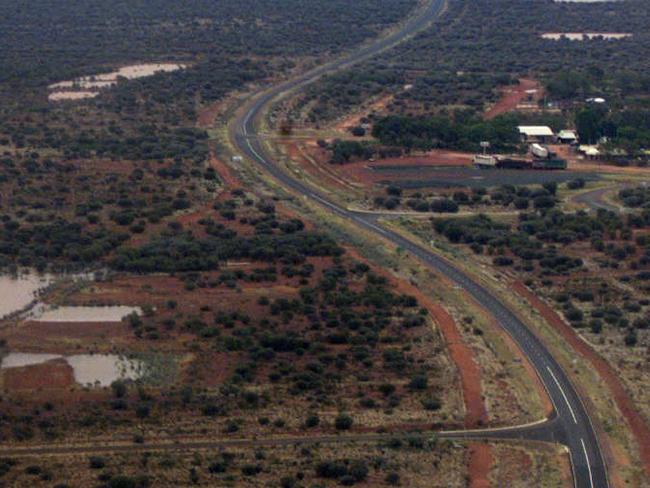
x=480, y=463
x=318, y=167
x=227, y=176
x=638, y=426
x=62, y=337
x=207, y=115
x=355, y=119
x=50, y=375
x=512, y=96
x=461, y=354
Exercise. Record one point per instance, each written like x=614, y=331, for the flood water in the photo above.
x=88, y=369
x=581, y=36
x=103, y=369
x=20, y=359
x=88, y=86
x=18, y=292
x=87, y=314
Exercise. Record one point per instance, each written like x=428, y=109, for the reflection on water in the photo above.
x=16, y=293
x=88, y=369
x=103, y=369
x=87, y=314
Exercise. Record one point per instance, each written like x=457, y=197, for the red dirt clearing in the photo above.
x=512, y=96
x=480, y=463
x=638, y=426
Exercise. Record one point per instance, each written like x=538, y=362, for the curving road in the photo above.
x=595, y=199
x=570, y=424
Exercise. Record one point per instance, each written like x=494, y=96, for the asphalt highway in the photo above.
x=570, y=423
x=595, y=199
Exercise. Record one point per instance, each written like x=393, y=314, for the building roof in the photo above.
x=589, y=150
x=567, y=134
x=535, y=130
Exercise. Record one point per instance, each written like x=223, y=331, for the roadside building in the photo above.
x=536, y=133
x=567, y=137
x=589, y=151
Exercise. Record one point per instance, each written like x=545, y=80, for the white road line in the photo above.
x=260, y=158
x=584, y=449
x=324, y=202
x=248, y=116
x=377, y=228
x=564, y=395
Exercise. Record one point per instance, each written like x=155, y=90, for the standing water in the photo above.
x=87, y=314
x=17, y=292
x=88, y=369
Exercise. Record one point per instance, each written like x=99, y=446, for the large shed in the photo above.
x=536, y=133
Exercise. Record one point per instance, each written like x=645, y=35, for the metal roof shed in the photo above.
x=535, y=131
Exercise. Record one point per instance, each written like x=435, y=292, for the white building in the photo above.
x=536, y=133
x=567, y=137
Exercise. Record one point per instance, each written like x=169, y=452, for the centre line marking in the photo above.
x=564, y=395
x=584, y=449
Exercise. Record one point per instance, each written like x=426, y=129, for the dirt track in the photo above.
x=512, y=96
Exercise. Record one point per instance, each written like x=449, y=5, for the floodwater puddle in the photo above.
x=87, y=314
x=88, y=369
x=18, y=292
x=89, y=86
x=581, y=36
x=20, y=359
x=103, y=369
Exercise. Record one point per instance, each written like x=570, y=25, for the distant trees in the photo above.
x=185, y=253
x=459, y=132
x=345, y=151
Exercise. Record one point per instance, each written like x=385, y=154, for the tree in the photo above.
x=312, y=421
x=343, y=422
x=419, y=382
x=589, y=122
x=119, y=388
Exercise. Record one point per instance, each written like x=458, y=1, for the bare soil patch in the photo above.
x=56, y=374
x=354, y=120
x=480, y=464
x=512, y=97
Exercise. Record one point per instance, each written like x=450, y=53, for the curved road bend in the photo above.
x=571, y=425
x=595, y=199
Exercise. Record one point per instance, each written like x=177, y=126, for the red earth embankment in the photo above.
x=638, y=426
x=480, y=463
